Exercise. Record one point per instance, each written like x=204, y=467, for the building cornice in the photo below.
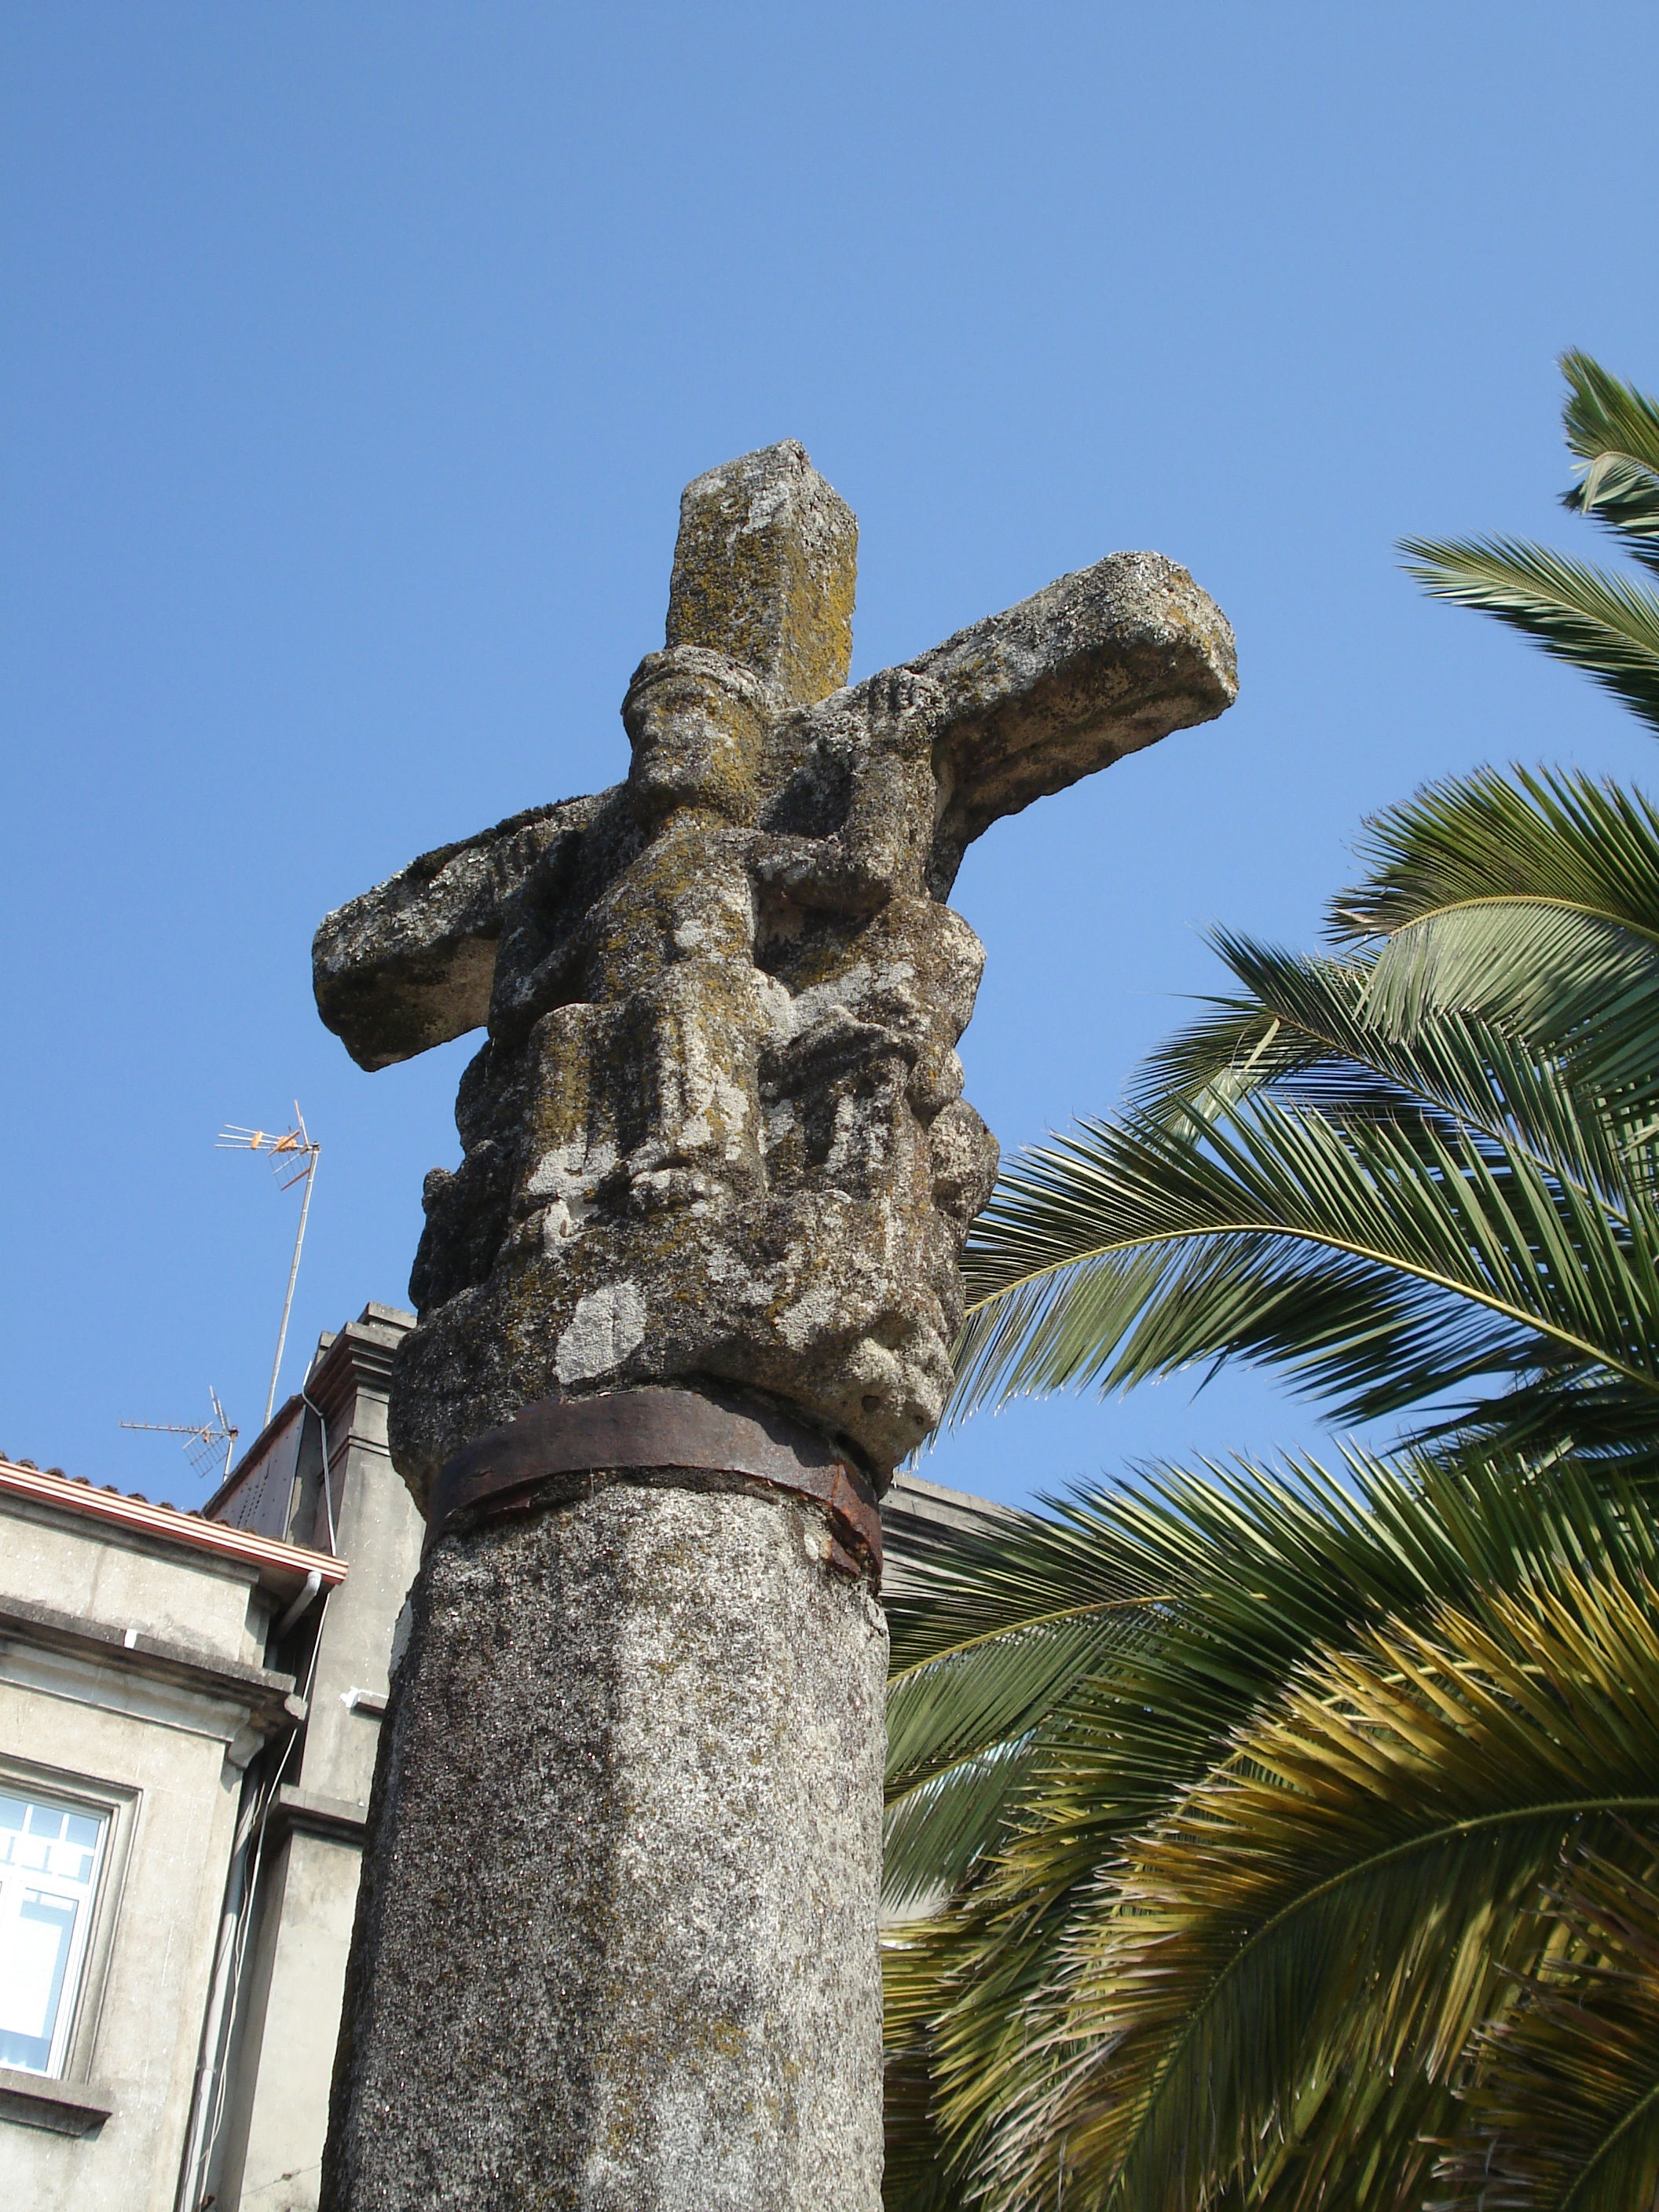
x=358, y=1359
x=282, y=1569
x=267, y=1697
x=314, y=1814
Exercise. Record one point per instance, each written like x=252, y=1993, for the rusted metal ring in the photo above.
x=551, y=1452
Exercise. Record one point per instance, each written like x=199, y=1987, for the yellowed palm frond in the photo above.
x=1348, y=1890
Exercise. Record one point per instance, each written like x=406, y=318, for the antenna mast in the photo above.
x=294, y=1158
x=206, y=1437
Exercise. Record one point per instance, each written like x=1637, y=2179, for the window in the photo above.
x=49, y=1857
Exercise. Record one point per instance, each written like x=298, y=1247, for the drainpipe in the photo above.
x=206, y=2096
x=206, y=2102
x=313, y=1582
x=226, y=1950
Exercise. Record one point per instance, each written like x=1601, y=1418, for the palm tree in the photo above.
x=1303, y=1945
x=1415, y=1169
x=1605, y=623
x=1273, y=1901
x=1388, y=1212
x=1420, y=1161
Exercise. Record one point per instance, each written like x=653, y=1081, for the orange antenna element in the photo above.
x=207, y=1439
x=293, y=1156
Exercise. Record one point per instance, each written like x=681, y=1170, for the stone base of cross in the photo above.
x=686, y=1301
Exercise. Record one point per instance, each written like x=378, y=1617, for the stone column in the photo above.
x=685, y=1303
x=617, y=1947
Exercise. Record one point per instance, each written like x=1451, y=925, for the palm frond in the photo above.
x=1533, y=899
x=1562, y=2107
x=1259, y=1568
x=919, y=2173
x=960, y=1741
x=936, y=1831
x=1614, y=431
x=960, y=1704
x=1555, y=836
x=1575, y=982
x=1346, y=1890
x=991, y=1632
x=1339, y=1046
x=1604, y=624
x=1006, y=1573
x=1377, y=1264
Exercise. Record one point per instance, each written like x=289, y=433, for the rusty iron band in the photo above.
x=551, y=1453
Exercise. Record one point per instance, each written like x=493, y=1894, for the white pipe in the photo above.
x=191, y=2174
x=207, y=2096
x=313, y=1582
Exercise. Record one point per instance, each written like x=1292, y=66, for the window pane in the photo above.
x=32, y=1979
x=49, y=1856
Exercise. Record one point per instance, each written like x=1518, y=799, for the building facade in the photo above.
x=142, y=1695
x=189, y=1710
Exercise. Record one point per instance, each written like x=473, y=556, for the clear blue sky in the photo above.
x=355, y=358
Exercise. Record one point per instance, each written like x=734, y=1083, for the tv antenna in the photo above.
x=293, y=1156
x=206, y=1438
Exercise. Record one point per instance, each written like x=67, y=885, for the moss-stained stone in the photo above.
x=716, y=1132
x=765, y=571
x=617, y=1937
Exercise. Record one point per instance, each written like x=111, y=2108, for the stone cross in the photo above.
x=686, y=1301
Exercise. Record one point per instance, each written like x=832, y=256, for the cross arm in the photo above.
x=411, y=963
x=1097, y=665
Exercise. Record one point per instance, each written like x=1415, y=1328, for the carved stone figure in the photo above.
x=686, y=1301
x=717, y=1130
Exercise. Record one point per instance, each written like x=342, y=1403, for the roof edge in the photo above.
x=282, y=1566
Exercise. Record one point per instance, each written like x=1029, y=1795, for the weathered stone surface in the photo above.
x=1098, y=665
x=617, y=1945
x=724, y=996
x=413, y=964
x=764, y=572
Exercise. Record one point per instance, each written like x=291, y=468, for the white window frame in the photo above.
x=115, y=1804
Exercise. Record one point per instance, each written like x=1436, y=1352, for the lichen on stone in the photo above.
x=719, y=1102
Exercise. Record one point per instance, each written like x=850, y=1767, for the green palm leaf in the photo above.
x=1561, y=838
x=1576, y=981
x=921, y=2173
x=1311, y=1032
x=1607, y=625
x=1614, y=429
x=1377, y=1262
x=936, y=1830
x=1535, y=899
x=1341, y=1892
x=989, y=1635
x=1532, y=901
x=1257, y=1570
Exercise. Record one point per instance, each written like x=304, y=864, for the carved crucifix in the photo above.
x=686, y=1301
